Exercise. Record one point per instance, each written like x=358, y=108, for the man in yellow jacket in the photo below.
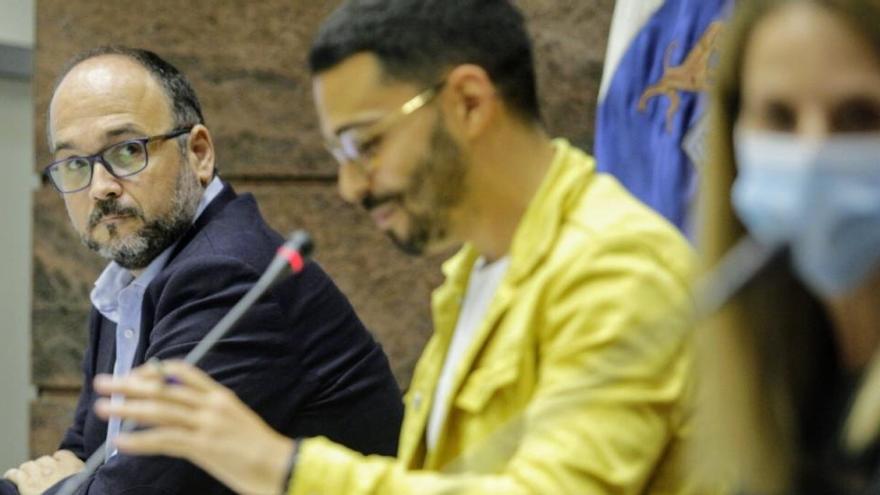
x=560, y=361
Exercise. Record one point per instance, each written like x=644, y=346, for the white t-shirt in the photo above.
x=483, y=283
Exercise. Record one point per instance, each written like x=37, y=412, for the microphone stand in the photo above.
x=290, y=259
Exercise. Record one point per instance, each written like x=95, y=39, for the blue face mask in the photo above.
x=820, y=198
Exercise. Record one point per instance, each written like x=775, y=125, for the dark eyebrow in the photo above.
x=112, y=133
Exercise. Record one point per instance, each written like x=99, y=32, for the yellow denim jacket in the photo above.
x=578, y=380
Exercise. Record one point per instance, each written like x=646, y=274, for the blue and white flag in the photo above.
x=660, y=62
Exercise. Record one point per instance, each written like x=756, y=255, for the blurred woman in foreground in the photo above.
x=791, y=376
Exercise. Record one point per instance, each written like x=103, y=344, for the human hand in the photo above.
x=35, y=477
x=197, y=419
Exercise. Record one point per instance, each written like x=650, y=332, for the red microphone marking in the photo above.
x=293, y=257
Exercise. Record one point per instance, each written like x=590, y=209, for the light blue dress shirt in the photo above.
x=118, y=295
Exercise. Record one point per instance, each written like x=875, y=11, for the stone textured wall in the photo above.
x=247, y=61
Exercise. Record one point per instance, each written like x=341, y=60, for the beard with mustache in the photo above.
x=436, y=186
x=135, y=251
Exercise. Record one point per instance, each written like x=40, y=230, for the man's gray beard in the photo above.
x=137, y=250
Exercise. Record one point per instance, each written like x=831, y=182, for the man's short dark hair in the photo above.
x=185, y=106
x=418, y=40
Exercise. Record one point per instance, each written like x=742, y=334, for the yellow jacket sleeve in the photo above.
x=613, y=387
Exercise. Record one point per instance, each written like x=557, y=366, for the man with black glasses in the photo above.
x=134, y=163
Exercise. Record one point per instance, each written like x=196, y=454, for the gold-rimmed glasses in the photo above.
x=357, y=144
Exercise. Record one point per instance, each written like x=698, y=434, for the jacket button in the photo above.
x=417, y=400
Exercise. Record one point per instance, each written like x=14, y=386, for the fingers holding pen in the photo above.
x=134, y=387
x=167, y=394
x=153, y=396
x=186, y=374
x=156, y=374
x=148, y=412
x=159, y=382
x=171, y=441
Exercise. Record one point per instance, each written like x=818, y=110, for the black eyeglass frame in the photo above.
x=99, y=157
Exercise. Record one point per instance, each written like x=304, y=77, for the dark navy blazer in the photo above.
x=301, y=357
